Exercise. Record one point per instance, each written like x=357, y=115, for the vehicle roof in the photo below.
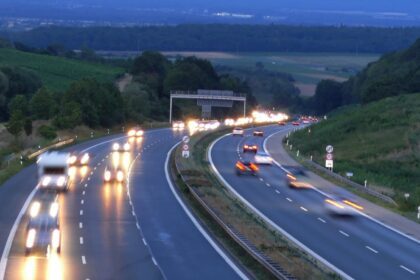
x=54, y=157
x=43, y=220
x=262, y=153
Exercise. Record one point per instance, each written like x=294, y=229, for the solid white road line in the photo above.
x=195, y=222
x=344, y=233
x=371, y=249
x=8, y=246
x=144, y=242
x=407, y=269
x=259, y=213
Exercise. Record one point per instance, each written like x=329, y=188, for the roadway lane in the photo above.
x=361, y=248
x=101, y=234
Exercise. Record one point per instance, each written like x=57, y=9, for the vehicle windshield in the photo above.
x=54, y=170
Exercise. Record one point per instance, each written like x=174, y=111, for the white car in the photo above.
x=263, y=158
x=238, y=131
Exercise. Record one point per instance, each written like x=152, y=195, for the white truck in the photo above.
x=53, y=171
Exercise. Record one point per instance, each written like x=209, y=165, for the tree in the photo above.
x=19, y=103
x=16, y=122
x=328, y=96
x=70, y=116
x=42, y=104
x=27, y=126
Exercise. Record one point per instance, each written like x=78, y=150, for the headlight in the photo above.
x=120, y=176
x=84, y=159
x=126, y=146
x=33, y=212
x=72, y=159
x=30, y=239
x=46, y=181
x=140, y=133
x=54, y=209
x=116, y=146
x=107, y=175
x=61, y=181
x=131, y=133
x=55, y=239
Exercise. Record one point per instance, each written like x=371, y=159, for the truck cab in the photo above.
x=53, y=169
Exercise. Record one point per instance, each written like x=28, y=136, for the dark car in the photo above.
x=246, y=168
x=250, y=148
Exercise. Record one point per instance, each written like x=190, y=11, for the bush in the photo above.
x=48, y=132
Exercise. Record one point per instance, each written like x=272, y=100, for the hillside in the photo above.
x=379, y=142
x=56, y=72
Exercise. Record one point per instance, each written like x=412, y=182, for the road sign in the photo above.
x=329, y=149
x=185, y=139
x=186, y=154
x=185, y=147
x=329, y=163
x=329, y=156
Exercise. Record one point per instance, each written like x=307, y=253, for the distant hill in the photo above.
x=56, y=72
x=379, y=141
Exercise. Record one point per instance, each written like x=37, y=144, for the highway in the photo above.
x=137, y=230
x=356, y=247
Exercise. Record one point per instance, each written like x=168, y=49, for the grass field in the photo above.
x=57, y=72
x=379, y=142
x=307, y=68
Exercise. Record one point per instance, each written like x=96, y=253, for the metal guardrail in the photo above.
x=350, y=182
x=56, y=145
x=240, y=239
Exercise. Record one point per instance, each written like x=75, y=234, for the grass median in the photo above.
x=267, y=240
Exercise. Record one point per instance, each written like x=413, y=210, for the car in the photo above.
x=116, y=147
x=282, y=123
x=250, y=148
x=135, y=132
x=245, y=168
x=296, y=123
x=43, y=231
x=178, y=125
x=79, y=159
x=295, y=181
x=238, y=131
x=341, y=206
x=114, y=175
x=258, y=133
x=263, y=158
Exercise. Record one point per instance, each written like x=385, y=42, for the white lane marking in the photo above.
x=288, y=199
x=329, y=196
x=261, y=179
x=8, y=246
x=407, y=269
x=81, y=240
x=81, y=212
x=154, y=261
x=322, y=220
x=344, y=233
x=259, y=213
x=268, y=185
x=137, y=225
x=144, y=241
x=194, y=220
x=83, y=260
x=82, y=201
x=303, y=208
x=94, y=169
x=83, y=193
x=80, y=225
x=133, y=213
x=371, y=249
x=88, y=180
x=277, y=192
x=86, y=185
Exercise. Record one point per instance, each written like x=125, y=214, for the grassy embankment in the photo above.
x=378, y=142
x=233, y=212
x=57, y=72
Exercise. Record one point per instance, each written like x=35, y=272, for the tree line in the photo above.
x=224, y=37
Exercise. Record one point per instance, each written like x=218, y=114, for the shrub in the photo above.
x=48, y=132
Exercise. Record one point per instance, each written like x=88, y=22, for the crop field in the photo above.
x=307, y=68
x=56, y=72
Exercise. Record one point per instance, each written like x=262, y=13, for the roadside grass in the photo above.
x=378, y=142
x=200, y=176
x=57, y=73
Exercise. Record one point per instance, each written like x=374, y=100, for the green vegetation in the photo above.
x=198, y=174
x=57, y=73
x=379, y=141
